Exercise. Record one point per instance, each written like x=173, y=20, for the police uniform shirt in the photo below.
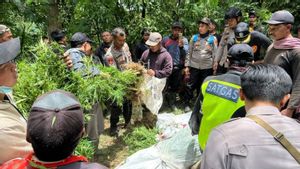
x=243, y=144
x=13, y=142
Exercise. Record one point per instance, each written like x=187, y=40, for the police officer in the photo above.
x=253, y=25
x=245, y=143
x=220, y=94
x=199, y=59
x=232, y=16
x=258, y=41
x=13, y=124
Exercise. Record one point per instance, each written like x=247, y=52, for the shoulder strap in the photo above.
x=211, y=39
x=278, y=136
x=195, y=38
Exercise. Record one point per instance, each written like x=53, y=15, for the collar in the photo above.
x=204, y=35
x=172, y=37
x=37, y=164
x=235, y=72
x=263, y=110
x=106, y=44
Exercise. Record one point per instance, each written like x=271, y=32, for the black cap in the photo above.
x=252, y=13
x=280, y=17
x=242, y=30
x=55, y=125
x=177, y=24
x=9, y=50
x=240, y=54
x=57, y=35
x=205, y=21
x=145, y=31
x=79, y=38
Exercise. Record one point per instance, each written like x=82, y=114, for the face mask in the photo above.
x=5, y=89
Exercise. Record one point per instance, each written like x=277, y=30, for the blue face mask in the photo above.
x=5, y=89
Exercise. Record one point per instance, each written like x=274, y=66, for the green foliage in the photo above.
x=48, y=72
x=140, y=138
x=85, y=148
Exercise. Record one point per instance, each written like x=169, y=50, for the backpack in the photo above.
x=210, y=40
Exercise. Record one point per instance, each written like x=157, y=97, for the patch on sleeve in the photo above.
x=223, y=91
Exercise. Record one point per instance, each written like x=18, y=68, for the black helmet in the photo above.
x=233, y=12
x=240, y=54
x=252, y=12
x=241, y=31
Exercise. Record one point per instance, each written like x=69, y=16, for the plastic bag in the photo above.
x=168, y=124
x=180, y=151
x=151, y=89
x=144, y=159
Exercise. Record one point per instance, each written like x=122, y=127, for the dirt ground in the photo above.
x=111, y=150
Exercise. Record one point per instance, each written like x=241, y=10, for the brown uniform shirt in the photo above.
x=289, y=60
x=13, y=142
x=243, y=144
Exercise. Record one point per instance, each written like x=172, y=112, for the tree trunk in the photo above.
x=53, y=13
x=144, y=9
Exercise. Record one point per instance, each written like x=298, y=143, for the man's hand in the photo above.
x=287, y=112
x=67, y=60
x=215, y=66
x=180, y=43
x=151, y=72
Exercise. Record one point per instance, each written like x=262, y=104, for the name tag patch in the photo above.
x=223, y=91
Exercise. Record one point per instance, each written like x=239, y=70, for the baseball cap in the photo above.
x=55, y=125
x=3, y=29
x=177, y=24
x=79, y=38
x=9, y=50
x=205, y=21
x=280, y=17
x=240, y=53
x=154, y=39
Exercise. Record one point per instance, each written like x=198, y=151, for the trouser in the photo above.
x=196, y=79
x=149, y=119
x=173, y=85
x=116, y=111
x=221, y=70
x=95, y=125
x=174, y=80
